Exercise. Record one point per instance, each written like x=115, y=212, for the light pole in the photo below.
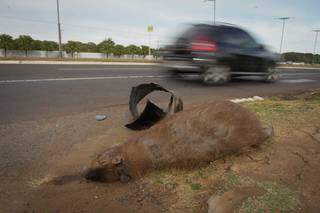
x=282, y=35
x=59, y=29
x=150, y=30
x=214, y=10
x=315, y=45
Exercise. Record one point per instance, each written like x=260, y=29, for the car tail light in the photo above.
x=203, y=43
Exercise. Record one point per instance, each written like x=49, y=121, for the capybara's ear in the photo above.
x=117, y=160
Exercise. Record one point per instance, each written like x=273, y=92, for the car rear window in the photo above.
x=198, y=30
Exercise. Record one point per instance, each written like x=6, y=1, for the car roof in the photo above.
x=216, y=25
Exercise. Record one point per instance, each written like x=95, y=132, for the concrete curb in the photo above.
x=76, y=63
x=297, y=68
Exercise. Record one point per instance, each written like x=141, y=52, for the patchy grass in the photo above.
x=270, y=109
x=287, y=115
x=278, y=198
x=232, y=179
x=192, y=188
x=195, y=186
x=315, y=96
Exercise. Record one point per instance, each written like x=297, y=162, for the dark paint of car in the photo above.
x=218, y=53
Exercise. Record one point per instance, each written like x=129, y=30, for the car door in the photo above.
x=243, y=48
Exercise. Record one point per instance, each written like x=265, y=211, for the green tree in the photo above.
x=72, y=47
x=36, y=45
x=49, y=45
x=133, y=50
x=24, y=42
x=119, y=50
x=155, y=52
x=106, y=46
x=83, y=47
x=91, y=47
x=144, y=50
x=6, y=42
x=301, y=57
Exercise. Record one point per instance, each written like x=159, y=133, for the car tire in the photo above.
x=216, y=75
x=272, y=76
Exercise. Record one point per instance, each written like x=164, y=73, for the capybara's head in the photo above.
x=108, y=167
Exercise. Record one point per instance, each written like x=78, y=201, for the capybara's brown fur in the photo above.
x=183, y=140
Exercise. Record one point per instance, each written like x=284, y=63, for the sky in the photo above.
x=126, y=21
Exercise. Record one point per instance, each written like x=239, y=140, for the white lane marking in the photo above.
x=79, y=79
x=293, y=81
x=102, y=69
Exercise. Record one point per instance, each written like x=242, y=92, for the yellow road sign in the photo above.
x=150, y=28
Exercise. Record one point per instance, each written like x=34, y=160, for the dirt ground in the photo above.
x=284, y=171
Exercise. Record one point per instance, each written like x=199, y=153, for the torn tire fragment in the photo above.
x=151, y=113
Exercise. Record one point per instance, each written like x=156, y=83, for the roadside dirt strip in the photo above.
x=280, y=175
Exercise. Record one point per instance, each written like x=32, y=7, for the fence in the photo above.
x=55, y=54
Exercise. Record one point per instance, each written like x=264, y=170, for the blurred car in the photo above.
x=218, y=53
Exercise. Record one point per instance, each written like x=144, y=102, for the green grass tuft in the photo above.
x=195, y=186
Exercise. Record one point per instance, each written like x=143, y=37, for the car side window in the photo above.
x=238, y=37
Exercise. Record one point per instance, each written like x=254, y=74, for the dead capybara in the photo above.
x=183, y=140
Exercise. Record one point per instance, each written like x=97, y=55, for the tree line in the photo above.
x=108, y=46
x=307, y=58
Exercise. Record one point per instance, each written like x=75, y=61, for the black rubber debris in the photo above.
x=151, y=113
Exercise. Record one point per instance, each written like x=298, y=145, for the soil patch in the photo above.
x=287, y=168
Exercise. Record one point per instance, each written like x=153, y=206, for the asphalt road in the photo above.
x=29, y=92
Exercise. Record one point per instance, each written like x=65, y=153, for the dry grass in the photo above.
x=193, y=188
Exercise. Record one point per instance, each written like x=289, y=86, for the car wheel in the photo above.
x=216, y=75
x=272, y=76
